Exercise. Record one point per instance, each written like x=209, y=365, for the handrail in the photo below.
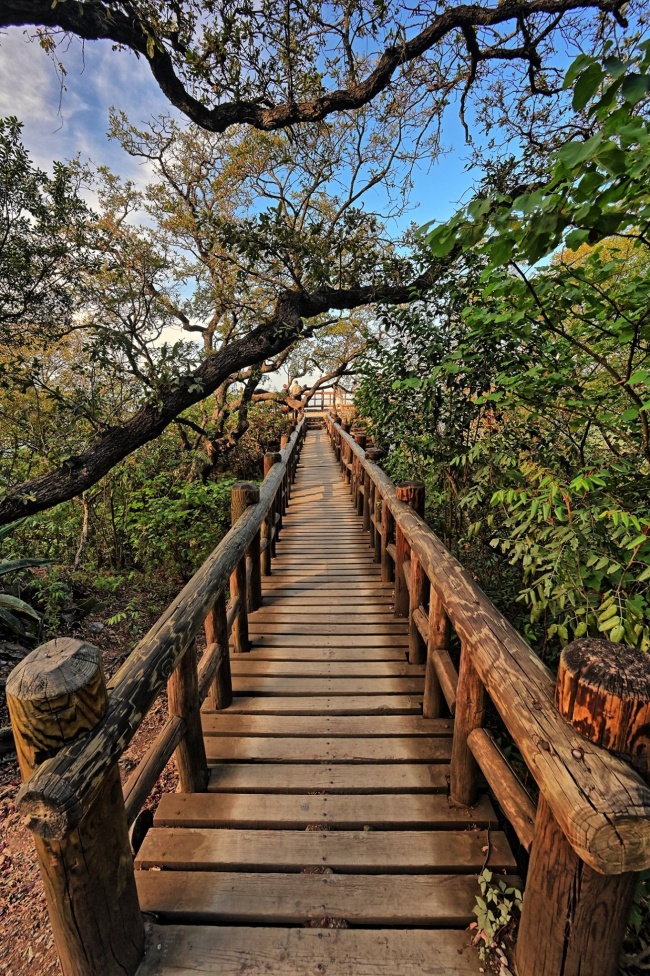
x=54, y=799
x=600, y=803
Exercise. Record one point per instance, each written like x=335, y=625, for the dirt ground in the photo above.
x=26, y=943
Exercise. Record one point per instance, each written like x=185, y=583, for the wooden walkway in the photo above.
x=326, y=845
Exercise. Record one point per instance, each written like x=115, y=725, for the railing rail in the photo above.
x=71, y=729
x=591, y=830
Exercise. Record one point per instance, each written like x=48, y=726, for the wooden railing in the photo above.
x=589, y=834
x=71, y=730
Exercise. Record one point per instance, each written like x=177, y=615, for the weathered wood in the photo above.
x=332, y=704
x=602, y=805
x=55, y=696
x=243, y=495
x=511, y=795
x=386, y=812
x=145, y=776
x=603, y=691
x=441, y=679
x=327, y=686
x=314, y=750
x=56, y=796
x=418, y=592
x=324, y=726
x=573, y=919
x=268, y=530
x=412, y=494
x=326, y=669
x=190, y=950
x=387, y=528
x=470, y=712
x=352, y=778
x=183, y=701
x=201, y=848
x=217, y=632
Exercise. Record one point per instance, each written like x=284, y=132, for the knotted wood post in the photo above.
x=411, y=492
x=183, y=701
x=242, y=494
x=387, y=526
x=574, y=919
x=268, y=533
x=216, y=632
x=56, y=695
x=470, y=714
x=360, y=439
x=437, y=648
x=375, y=454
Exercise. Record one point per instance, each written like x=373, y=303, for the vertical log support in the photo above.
x=360, y=439
x=387, y=526
x=216, y=632
x=367, y=501
x=55, y=695
x=242, y=494
x=284, y=487
x=470, y=712
x=375, y=454
x=412, y=493
x=268, y=534
x=255, y=582
x=573, y=919
x=183, y=700
x=439, y=634
x=417, y=597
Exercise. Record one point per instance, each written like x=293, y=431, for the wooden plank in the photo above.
x=368, y=654
x=191, y=950
x=243, y=666
x=341, y=778
x=324, y=726
x=317, y=750
x=344, y=851
x=214, y=897
x=327, y=686
x=328, y=705
x=387, y=628
x=327, y=615
x=392, y=816
x=333, y=640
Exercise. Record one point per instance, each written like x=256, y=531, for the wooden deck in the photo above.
x=326, y=845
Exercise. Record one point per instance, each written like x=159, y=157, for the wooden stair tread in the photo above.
x=316, y=750
x=245, y=666
x=296, y=777
x=384, y=812
x=327, y=705
x=192, y=950
x=304, y=653
x=317, y=726
x=212, y=897
x=349, y=852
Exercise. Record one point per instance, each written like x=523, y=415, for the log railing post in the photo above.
x=439, y=634
x=360, y=439
x=183, y=701
x=574, y=919
x=412, y=493
x=242, y=494
x=284, y=487
x=375, y=454
x=417, y=597
x=387, y=526
x=216, y=632
x=55, y=695
x=470, y=712
x=268, y=534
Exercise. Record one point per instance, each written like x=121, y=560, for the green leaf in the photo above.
x=635, y=87
x=14, y=603
x=587, y=85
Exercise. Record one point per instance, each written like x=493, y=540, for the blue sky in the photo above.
x=60, y=124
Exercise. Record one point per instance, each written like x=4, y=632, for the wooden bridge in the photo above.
x=333, y=811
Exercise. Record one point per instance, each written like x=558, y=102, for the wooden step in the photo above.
x=345, y=852
x=327, y=705
x=211, y=897
x=290, y=778
x=386, y=628
x=316, y=750
x=192, y=950
x=243, y=665
x=324, y=726
x=303, y=653
x=327, y=686
x=385, y=813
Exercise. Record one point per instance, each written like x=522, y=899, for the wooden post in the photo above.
x=573, y=919
x=387, y=524
x=216, y=632
x=56, y=695
x=183, y=700
x=417, y=597
x=411, y=492
x=439, y=634
x=470, y=712
x=270, y=460
x=242, y=494
x=360, y=439
x=367, y=497
x=284, y=488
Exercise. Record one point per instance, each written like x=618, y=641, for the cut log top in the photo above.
x=60, y=667
x=601, y=804
x=603, y=691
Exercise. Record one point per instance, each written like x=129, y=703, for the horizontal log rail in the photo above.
x=589, y=835
x=60, y=791
x=602, y=805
